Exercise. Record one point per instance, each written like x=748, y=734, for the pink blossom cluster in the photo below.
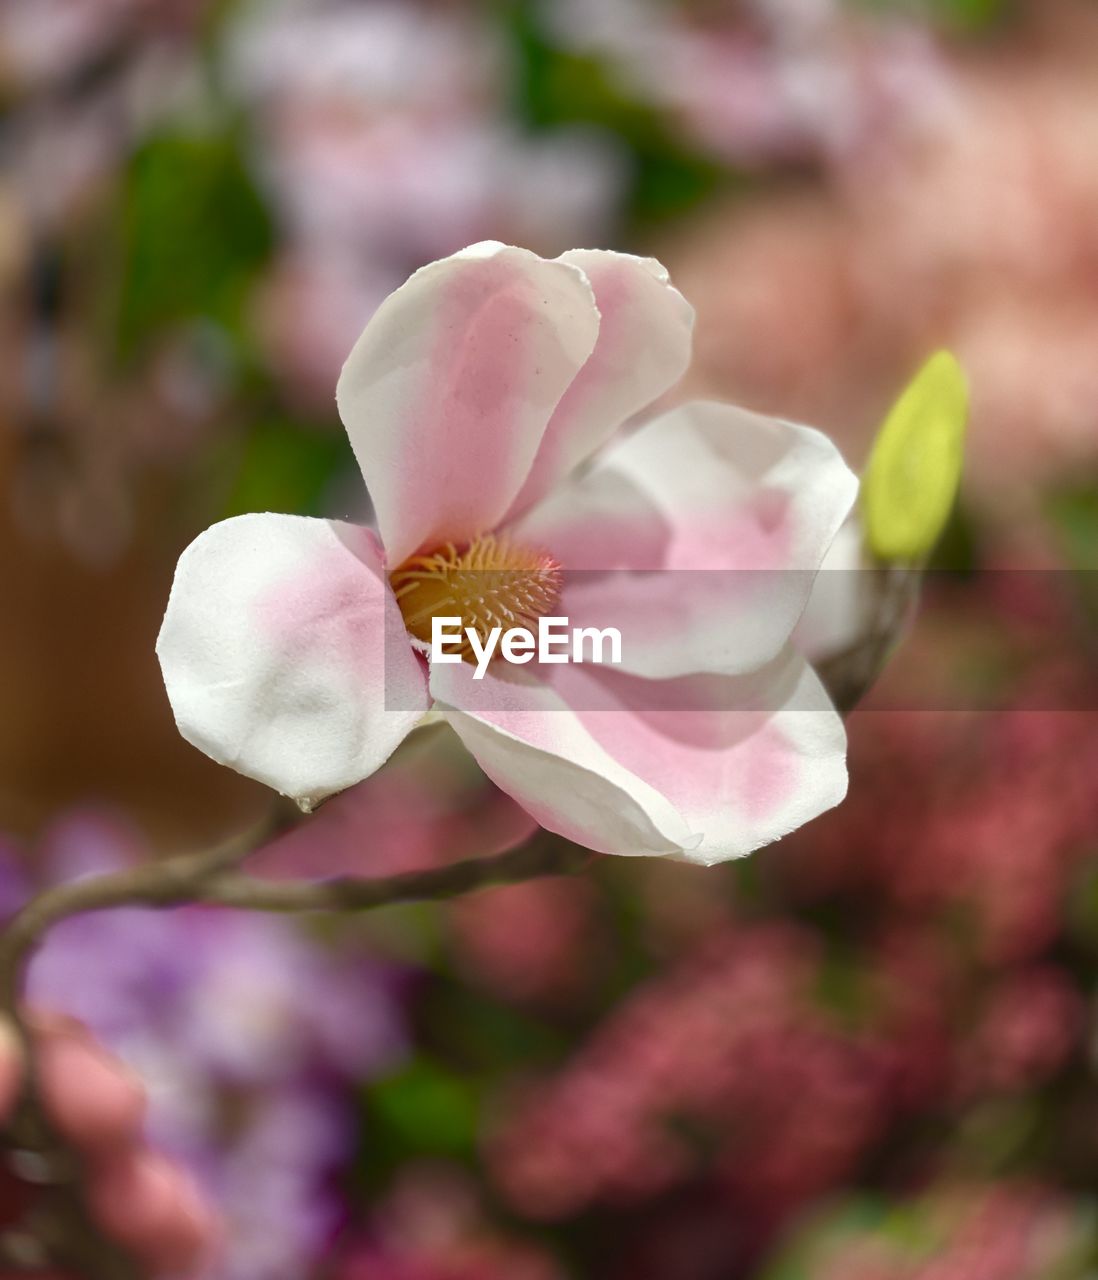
x=743, y=1066
x=430, y=1225
x=951, y=814
x=816, y=299
x=764, y=81
x=536, y=942
x=735, y=1069
x=729, y=1046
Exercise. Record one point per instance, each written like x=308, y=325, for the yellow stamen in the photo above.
x=490, y=583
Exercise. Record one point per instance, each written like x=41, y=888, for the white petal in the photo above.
x=745, y=759
x=840, y=607
x=285, y=656
x=448, y=391
x=703, y=768
x=533, y=746
x=644, y=347
x=713, y=521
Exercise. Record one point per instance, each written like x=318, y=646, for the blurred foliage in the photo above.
x=195, y=236
x=555, y=87
x=287, y=465
x=424, y=1109
x=965, y=16
x=874, y=1236
x=1073, y=513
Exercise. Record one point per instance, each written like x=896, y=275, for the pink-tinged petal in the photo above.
x=643, y=349
x=533, y=746
x=839, y=610
x=745, y=759
x=698, y=537
x=285, y=656
x=447, y=393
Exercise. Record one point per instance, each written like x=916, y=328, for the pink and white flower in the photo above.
x=480, y=402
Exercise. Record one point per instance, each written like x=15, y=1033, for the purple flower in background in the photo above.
x=243, y=1030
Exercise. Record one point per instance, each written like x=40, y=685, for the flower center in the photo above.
x=490, y=583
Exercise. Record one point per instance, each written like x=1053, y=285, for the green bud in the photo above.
x=914, y=469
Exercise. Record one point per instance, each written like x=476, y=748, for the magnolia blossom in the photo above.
x=480, y=402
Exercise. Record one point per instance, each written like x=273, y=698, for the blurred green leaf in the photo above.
x=557, y=87
x=813, y=1243
x=195, y=233
x=1073, y=514
x=970, y=17
x=959, y=549
x=485, y=1034
x=1081, y=906
x=287, y=466
x=911, y=479
x=426, y=1109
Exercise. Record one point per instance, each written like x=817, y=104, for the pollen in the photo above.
x=490, y=583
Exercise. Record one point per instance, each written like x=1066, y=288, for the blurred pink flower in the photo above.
x=431, y=1226
x=973, y=227
x=728, y=1043
x=951, y=813
x=385, y=141
x=43, y=40
x=1030, y=1022
x=528, y=942
x=761, y=82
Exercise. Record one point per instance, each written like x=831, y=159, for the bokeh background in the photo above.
x=869, y=1053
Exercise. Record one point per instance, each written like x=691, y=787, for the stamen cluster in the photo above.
x=490, y=583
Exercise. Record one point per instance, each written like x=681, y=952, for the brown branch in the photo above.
x=60, y=1231
x=541, y=856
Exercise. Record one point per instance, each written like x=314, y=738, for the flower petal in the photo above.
x=284, y=653
x=839, y=610
x=643, y=349
x=713, y=521
x=448, y=391
x=703, y=768
x=744, y=759
x=533, y=746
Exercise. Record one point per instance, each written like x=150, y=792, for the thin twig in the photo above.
x=542, y=856
x=61, y=1231
x=168, y=882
